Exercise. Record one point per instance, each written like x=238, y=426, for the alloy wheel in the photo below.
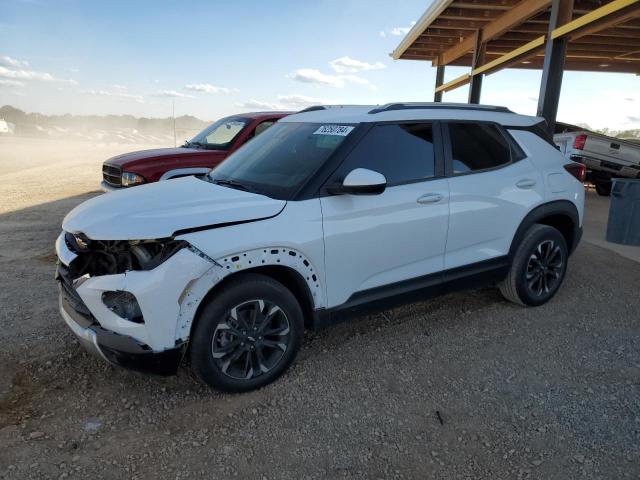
x=544, y=269
x=251, y=340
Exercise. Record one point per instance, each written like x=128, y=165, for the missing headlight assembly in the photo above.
x=110, y=257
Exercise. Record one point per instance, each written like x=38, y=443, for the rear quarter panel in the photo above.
x=559, y=184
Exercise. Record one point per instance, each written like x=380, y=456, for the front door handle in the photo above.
x=429, y=198
x=526, y=183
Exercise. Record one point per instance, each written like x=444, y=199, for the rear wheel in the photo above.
x=247, y=335
x=603, y=188
x=538, y=268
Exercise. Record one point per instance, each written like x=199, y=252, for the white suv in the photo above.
x=330, y=213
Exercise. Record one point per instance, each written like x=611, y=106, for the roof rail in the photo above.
x=313, y=108
x=433, y=105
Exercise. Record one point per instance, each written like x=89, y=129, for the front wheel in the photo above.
x=538, y=267
x=247, y=334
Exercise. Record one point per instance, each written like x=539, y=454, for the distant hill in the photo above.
x=632, y=133
x=106, y=128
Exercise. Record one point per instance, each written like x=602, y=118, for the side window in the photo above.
x=402, y=153
x=262, y=127
x=477, y=147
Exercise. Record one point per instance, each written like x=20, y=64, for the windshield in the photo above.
x=219, y=135
x=282, y=159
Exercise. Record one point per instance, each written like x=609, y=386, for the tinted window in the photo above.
x=400, y=152
x=263, y=126
x=477, y=147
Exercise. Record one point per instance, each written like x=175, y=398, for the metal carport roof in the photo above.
x=489, y=35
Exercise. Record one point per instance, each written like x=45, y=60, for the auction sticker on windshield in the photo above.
x=339, y=130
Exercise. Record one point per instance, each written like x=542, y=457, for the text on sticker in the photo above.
x=340, y=130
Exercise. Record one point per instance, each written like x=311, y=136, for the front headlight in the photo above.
x=129, y=179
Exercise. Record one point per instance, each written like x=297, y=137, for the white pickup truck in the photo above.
x=605, y=157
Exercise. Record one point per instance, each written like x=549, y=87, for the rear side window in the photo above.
x=402, y=153
x=477, y=147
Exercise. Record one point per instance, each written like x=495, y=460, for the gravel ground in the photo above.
x=463, y=386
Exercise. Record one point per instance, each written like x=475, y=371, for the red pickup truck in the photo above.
x=196, y=157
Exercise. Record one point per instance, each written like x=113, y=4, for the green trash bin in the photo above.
x=624, y=212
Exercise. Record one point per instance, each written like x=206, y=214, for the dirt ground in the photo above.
x=462, y=387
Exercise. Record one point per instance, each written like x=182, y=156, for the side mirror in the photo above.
x=360, y=181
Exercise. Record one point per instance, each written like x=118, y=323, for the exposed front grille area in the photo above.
x=112, y=175
x=69, y=293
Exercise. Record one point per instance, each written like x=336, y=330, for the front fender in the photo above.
x=196, y=291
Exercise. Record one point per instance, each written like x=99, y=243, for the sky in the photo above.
x=214, y=58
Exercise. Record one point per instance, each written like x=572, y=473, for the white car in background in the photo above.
x=330, y=213
x=605, y=157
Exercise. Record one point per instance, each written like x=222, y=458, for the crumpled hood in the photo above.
x=160, y=209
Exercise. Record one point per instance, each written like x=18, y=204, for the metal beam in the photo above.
x=515, y=16
x=436, y=8
x=496, y=5
x=573, y=27
x=459, y=42
x=611, y=10
x=478, y=59
x=469, y=25
x=455, y=83
x=453, y=13
x=581, y=65
x=554, y=56
x=575, y=45
x=437, y=97
x=526, y=50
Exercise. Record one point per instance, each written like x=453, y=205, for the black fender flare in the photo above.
x=557, y=207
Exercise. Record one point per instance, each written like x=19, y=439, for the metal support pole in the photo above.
x=437, y=97
x=475, y=87
x=553, y=67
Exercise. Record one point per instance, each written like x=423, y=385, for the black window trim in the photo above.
x=448, y=151
x=539, y=129
x=438, y=151
x=252, y=135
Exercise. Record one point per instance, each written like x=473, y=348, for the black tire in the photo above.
x=603, y=188
x=538, y=268
x=225, y=329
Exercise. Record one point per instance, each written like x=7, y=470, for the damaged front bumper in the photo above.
x=118, y=349
x=153, y=344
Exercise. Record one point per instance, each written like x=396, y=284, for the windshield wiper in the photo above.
x=232, y=184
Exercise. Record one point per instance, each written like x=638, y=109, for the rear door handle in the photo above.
x=526, y=183
x=429, y=198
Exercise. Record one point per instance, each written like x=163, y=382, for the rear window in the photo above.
x=476, y=147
